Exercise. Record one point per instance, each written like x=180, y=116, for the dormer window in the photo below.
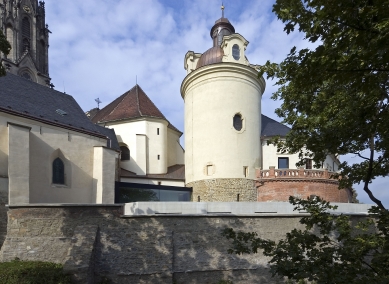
x=236, y=52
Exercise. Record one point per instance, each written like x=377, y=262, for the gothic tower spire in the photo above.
x=24, y=24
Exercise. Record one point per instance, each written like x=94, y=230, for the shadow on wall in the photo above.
x=95, y=243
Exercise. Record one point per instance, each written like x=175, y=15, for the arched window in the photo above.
x=125, y=156
x=58, y=171
x=237, y=122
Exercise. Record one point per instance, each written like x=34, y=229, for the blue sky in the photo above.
x=99, y=48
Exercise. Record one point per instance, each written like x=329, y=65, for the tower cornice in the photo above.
x=203, y=73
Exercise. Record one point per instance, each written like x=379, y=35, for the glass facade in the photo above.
x=133, y=192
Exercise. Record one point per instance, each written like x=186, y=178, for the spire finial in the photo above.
x=222, y=7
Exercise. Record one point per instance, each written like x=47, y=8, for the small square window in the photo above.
x=209, y=170
x=283, y=163
x=245, y=171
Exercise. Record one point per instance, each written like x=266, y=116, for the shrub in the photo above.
x=32, y=272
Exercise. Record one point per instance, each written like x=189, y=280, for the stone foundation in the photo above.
x=223, y=190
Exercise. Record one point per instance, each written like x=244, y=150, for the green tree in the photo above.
x=5, y=48
x=335, y=94
x=331, y=249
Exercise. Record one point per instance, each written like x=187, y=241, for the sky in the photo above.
x=102, y=48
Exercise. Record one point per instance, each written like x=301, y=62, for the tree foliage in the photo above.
x=5, y=48
x=335, y=93
x=331, y=249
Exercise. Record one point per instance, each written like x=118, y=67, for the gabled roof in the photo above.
x=270, y=127
x=132, y=104
x=24, y=98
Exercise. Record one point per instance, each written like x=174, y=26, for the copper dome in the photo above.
x=211, y=56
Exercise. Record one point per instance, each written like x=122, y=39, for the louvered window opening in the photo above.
x=237, y=122
x=58, y=171
x=26, y=30
x=125, y=155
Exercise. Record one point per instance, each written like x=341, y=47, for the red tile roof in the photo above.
x=132, y=104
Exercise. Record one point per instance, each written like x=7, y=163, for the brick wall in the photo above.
x=226, y=190
x=281, y=189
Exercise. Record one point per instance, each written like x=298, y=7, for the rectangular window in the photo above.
x=308, y=164
x=157, y=131
x=209, y=170
x=283, y=163
x=158, y=157
x=245, y=171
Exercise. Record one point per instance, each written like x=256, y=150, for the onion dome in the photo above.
x=211, y=56
x=221, y=28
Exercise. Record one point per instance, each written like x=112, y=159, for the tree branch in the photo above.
x=369, y=176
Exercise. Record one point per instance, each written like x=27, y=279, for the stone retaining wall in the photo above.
x=225, y=190
x=96, y=242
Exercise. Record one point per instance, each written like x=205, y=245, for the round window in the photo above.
x=237, y=122
x=236, y=51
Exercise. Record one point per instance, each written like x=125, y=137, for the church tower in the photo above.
x=222, y=94
x=23, y=24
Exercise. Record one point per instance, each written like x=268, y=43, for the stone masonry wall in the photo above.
x=96, y=242
x=226, y=190
x=281, y=189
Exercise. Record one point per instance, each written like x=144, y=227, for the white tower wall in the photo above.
x=213, y=94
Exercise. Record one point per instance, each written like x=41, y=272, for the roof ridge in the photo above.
x=163, y=116
x=137, y=100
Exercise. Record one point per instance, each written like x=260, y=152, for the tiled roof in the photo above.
x=176, y=172
x=21, y=97
x=270, y=127
x=132, y=104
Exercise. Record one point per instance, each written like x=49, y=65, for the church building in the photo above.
x=23, y=23
x=52, y=152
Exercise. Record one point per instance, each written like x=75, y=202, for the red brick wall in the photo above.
x=280, y=190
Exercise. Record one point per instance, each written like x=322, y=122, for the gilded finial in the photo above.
x=222, y=7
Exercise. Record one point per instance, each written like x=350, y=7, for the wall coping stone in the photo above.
x=43, y=205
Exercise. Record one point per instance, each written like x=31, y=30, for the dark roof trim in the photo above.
x=19, y=125
x=45, y=121
x=153, y=178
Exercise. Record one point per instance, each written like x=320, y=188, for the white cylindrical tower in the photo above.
x=222, y=94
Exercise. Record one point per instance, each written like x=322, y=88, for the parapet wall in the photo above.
x=98, y=241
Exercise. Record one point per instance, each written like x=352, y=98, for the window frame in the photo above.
x=281, y=159
x=58, y=171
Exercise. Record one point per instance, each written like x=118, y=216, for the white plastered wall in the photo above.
x=145, y=144
x=154, y=181
x=213, y=94
x=175, y=153
x=46, y=143
x=270, y=158
x=103, y=174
